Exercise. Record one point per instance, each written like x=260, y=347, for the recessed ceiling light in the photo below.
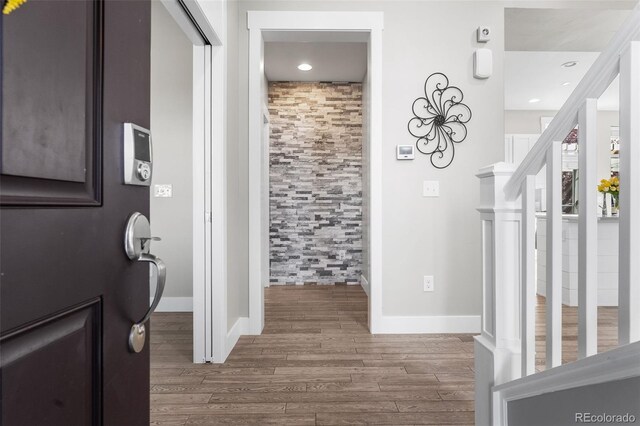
x=566, y=83
x=569, y=64
x=305, y=67
x=534, y=100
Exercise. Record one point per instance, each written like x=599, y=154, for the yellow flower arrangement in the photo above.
x=11, y=5
x=610, y=186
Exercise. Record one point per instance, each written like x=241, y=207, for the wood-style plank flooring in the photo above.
x=317, y=364
x=607, y=332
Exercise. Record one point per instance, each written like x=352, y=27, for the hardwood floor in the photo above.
x=317, y=364
x=607, y=332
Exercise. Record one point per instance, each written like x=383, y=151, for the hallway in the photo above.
x=315, y=363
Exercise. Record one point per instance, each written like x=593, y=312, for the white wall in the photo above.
x=528, y=122
x=421, y=236
x=171, y=127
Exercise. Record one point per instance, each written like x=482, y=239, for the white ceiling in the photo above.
x=561, y=30
x=331, y=61
x=538, y=41
x=540, y=75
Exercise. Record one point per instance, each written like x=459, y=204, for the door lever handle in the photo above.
x=136, y=244
x=137, y=336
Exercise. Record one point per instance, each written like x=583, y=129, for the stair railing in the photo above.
x=505, y=350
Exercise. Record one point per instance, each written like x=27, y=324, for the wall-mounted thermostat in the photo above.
x=138, y=165
x=404, y=152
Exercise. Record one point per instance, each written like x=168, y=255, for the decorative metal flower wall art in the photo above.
x=439, y=120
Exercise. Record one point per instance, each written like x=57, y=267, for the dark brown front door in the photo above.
x=72, y=73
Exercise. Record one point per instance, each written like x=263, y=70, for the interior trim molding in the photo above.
x=259, y=23
x=240, y=328
x=429, y=324
x=364, y=284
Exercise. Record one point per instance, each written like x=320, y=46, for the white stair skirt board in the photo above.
x=430, y=324
x=617, y=364
x=174, y=304
x=365, y=284
x=239, y=328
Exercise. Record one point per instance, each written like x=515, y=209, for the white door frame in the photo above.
x=259, y=23
x=209, y=179
x=264, y=239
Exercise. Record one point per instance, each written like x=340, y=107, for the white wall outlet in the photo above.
x=163, y=191
x=428, y=283
x=431, y=188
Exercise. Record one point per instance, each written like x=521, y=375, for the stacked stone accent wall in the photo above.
x=315, y=194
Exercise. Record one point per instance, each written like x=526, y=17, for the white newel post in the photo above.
x=497, y=349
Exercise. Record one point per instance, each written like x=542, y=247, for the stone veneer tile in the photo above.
x=315, y=194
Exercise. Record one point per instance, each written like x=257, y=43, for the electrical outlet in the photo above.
x=431, y=188
x=428, y=283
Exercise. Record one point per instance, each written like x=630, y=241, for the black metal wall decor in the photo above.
x=439, y=120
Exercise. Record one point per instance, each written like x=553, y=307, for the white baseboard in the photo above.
x=174, y=304
x=365, y=284
x=239, y=328
x=430, y=324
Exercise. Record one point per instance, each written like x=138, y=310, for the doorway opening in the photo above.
x=315, y=170
x=181, y=198
x=314, y=27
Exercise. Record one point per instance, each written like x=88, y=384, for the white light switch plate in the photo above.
x=163, y=191
x=431, y=188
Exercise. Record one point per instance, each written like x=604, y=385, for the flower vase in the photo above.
x=614, y=206
x=607, y=206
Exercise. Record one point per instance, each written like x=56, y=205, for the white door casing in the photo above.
x=370, y=26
